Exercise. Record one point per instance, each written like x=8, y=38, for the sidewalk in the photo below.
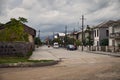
x=43, y=54
x=105, y=53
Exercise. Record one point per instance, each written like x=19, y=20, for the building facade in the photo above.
x=101, y=32
x=114, y=32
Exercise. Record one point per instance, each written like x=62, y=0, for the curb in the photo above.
x=28, y=64
x=103, y=53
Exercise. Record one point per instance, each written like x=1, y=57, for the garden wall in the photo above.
x=15, y=48
x=105, y=48
x=101, y=48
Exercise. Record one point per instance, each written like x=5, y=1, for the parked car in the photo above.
x=71, y=47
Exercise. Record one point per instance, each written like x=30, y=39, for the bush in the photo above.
x=77, y=42
x=104, y=42
x=29, y=54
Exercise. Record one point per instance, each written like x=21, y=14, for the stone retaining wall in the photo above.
x=15, y=48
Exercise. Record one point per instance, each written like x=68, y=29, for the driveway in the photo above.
x=74, y=65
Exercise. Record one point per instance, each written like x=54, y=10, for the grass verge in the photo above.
x=19, y=59
x=10, y=59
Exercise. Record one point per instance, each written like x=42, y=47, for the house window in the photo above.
x=107, y=33
x=97, y=33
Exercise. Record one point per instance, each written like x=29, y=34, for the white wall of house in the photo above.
x=110, y=30
x=80, y=36
x=86, y=34
x=30, y=38
x=117, y=29
x=113, y=41
x=117, y=42
x=110, y=42
x=96, y=37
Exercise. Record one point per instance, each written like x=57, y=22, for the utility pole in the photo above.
x=82, y=30
x=65, y=40
x=53, y=35
x=39, y=34
x=65, y=30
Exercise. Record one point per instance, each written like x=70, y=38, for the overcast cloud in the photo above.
x=52, y=15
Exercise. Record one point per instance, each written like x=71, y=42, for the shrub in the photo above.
x=104, y=42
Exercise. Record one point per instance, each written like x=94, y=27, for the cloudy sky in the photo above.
x=53, y=15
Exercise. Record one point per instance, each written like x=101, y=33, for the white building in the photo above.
x=114, y=32
x=101, y=32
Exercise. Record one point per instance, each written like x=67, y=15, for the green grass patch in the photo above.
x=12, y=59
x=19, y=59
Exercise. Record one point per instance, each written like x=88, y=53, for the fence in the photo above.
x=15, y=48
x=102, y=48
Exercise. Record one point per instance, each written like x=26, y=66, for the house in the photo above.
x=79, y=35
x=30, y=31
x=114, y=32
x=16, y=40
x=86, y=34
x=73, y=35
x=61, y=36
x=101, y=32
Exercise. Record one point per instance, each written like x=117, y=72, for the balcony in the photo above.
x=115, y=35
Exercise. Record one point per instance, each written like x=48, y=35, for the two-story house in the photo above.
x=101, y=32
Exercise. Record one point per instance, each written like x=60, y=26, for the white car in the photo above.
x=56, y=45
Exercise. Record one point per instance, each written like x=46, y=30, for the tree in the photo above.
x=14, y=31
x=88, y=40
x=23, y=20
x=38, y=41
x=70, y=41
x=77, y=42
x=58, y=40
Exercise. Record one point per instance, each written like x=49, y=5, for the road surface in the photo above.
x=74, y=65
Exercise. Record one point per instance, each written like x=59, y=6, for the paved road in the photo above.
x=42, y=53
x=75, y=65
